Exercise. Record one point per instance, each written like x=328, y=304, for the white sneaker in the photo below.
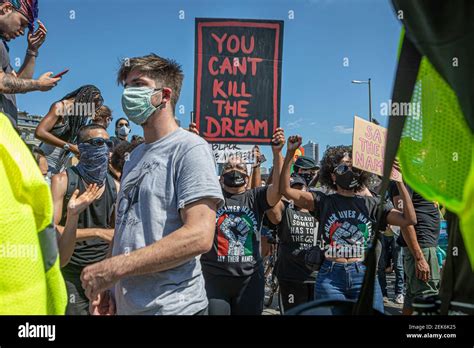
x=399, y=299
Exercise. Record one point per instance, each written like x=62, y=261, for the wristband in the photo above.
x=31, y=53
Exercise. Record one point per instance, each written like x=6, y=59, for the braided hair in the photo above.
x=87, y=95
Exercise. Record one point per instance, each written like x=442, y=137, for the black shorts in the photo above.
x=235, y=295
x=294, y=293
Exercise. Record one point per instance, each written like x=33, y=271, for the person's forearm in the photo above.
x=49, y=138
x=87, y=233
x=274, y=194
x=167, y=253
x=10, y=84
x=67, y=239
x=256, y=180
x=27, y=70
x=285, y=175
x=409, y=236
x=408, y=209
x=275, y=214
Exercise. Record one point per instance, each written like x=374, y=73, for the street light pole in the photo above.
x=370, y=103
x=370, y=95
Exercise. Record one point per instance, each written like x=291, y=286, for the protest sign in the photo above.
x=368, y=148
x=237, y=79
x=222, y=152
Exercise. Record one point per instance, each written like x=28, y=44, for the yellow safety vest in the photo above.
x=30, y=276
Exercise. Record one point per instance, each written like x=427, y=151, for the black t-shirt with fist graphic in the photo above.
x=236, y=248
x=346, y=223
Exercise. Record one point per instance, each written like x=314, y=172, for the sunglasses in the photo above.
x=342, y=169
x=100, y=142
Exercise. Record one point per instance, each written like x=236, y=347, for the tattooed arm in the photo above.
x=10, y=84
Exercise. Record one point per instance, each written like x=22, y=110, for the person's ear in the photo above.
x=166, y=94
x=333, y=177
x=6, y=7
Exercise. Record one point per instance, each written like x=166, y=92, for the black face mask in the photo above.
x=307, y=177
x=234, y=178
x=347, y=180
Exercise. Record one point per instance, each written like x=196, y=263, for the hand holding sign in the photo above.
x=294, y=142
x=257, y=155
x=396, y=171
x=193, y=128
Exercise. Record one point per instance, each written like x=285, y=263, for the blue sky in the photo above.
x=91, y=36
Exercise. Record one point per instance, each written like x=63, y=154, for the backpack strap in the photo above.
x=72, y=182
x=110, y=182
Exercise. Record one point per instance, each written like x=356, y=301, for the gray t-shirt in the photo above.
x=158, y=180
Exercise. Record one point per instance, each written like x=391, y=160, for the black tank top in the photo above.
x=97, y=214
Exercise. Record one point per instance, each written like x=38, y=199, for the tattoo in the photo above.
x=10, y=84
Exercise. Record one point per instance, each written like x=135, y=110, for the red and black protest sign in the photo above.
x=238, y=79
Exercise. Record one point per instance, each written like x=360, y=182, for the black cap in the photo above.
x=297, y=180
x=306, y=162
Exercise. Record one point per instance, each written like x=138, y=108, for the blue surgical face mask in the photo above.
x=94, y=163
x=136, y=103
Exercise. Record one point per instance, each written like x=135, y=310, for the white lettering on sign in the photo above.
x=222, y=152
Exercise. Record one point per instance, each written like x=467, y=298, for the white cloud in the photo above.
x=294, y=124
x=343, y=129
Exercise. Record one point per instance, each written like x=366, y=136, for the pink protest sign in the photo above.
x=368, y=148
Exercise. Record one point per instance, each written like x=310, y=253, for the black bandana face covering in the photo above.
x=234, y=178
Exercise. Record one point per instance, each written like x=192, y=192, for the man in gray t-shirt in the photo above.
x=168, y=175
x=166, y=206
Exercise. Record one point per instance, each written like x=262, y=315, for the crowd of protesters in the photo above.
x=147, y=227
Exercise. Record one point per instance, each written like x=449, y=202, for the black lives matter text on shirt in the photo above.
x=237, y=79
x=236, y=247
x=345, y=223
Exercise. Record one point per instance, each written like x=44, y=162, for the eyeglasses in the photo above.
x=100, y=142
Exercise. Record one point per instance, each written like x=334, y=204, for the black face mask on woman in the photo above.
x=307, y=177
x=345, y=177
x=234, y=178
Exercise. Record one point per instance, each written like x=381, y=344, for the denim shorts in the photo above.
x=343, y=281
